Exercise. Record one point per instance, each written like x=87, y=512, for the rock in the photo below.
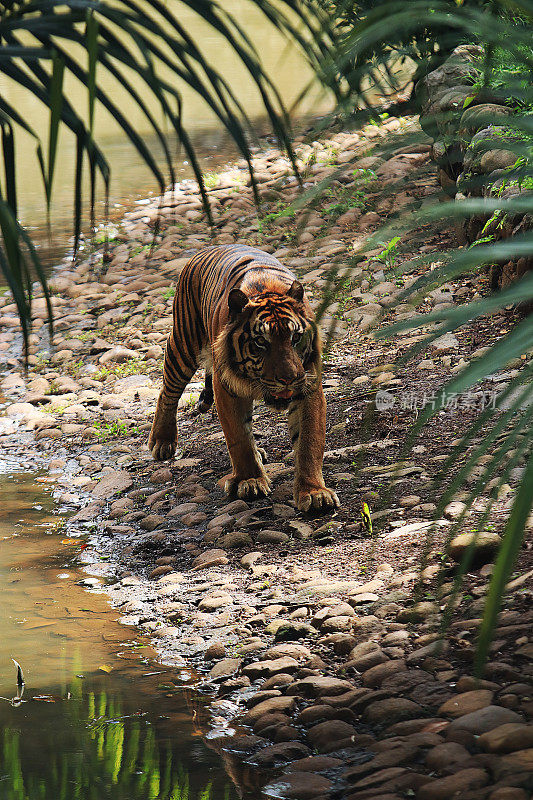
x=274, y=704
x=217, y=599
x=225, y=668
x=249, y=559
x=334, y=624
x=483, y=720
x=466, y=703
x=210, y=558
x=315, y=764
x=272, y=537
x=474, y=118
x=409, y=501
x=418, y=612
x=365, y=661
x=298, y=786
x=298, y=651
x=445, y=754
x=151, y=522
x=159, y=571
x=111, y=484
x=507, y=738
x=509, y=793
x=375, y=676
x=342, y=643
x=289, y=631
x=453, y=785
x=278, y=754
x=486, y=545
x=331, y=735
x=496, y=159
x=262, y=669
x=117, y=354
x=454, y=509
x=519, y=761
x=316, y=686
x=392, y=709
x=163, y=475
x=193, y=519
x=444, y=344
x=215, y=651
x=236, y=539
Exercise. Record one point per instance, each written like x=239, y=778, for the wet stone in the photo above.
x=466, y=703
x=151, y=522
x=507, y=738
x=331, y=735
x=210, y=558
x=483, y=720
x=316, y=686
x=272, y=537
x=391, y=710
x=453, y=785
x=298, y=786
x=277, y=754
x=236, y=539
x=261, y=669
x=215, y=651
x=225, y=668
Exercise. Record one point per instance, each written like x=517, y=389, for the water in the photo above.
x=130, y=178
x=99, y=718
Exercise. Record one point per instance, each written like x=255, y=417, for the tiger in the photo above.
x=244, y=316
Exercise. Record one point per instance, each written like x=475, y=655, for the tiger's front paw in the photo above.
x=249, y=488
x=163, y=445
x=314, y=500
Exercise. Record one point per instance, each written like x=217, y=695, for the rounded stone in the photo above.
x=466, y=703
x=485, y=545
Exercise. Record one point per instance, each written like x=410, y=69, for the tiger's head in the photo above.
x=270, y=347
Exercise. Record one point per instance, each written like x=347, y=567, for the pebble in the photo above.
x=483, y=720
x=485, y=543
x=507, y=738
x=466, y=703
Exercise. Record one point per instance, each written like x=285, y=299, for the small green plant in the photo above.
x=211, y=180
x=131, y=367
x=113, y=430
x=389, y=253
x=168, y=294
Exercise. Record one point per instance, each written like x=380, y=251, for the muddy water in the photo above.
x=130, y=178
x=98, y=718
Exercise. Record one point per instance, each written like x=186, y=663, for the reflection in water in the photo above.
x=94, y=746
x=98, y=719
x=130, y=177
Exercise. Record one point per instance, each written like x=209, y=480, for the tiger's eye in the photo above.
x=296, y=337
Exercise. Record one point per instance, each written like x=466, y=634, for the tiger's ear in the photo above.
x=296, y=291
x=237, y=301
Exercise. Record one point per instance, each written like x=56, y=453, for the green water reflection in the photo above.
x=99, y=718
x=94, y=747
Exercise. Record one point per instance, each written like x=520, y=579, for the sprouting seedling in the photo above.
x=17, y=700
x=388, y=254
x=366, y=518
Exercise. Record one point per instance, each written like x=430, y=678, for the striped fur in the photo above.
x=244, y=315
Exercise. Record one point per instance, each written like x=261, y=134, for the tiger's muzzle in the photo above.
x=281, y=395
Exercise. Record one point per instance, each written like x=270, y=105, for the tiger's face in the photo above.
x=273, y=344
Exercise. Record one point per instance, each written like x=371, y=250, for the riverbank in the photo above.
x=307, y=632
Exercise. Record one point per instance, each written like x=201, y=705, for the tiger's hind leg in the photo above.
x=178, y=369
x=205, y=401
